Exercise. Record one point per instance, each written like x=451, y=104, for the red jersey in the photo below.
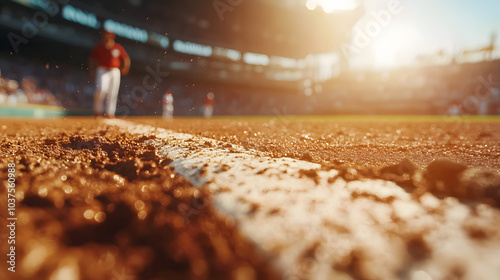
x=109, y=58
x=208, y=102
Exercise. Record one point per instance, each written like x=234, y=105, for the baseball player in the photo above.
x=208, y=105
x=168, y=105
x=107, y=62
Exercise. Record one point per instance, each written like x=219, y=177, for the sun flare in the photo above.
x=330, y=6
x=392, y=47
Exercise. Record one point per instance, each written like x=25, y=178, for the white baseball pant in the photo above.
x=168, y=111
x=208, y=111
x=107, y=87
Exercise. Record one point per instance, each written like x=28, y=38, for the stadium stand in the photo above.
x=199, y=53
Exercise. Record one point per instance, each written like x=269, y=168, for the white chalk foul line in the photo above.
x=328, y=228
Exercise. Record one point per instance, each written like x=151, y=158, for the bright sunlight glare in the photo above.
x=330, y=6
x=390, y=48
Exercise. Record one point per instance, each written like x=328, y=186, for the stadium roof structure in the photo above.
x=267, y=27
x=230, y=39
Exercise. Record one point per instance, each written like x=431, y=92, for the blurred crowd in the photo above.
x=446, y=89
x=63, y=84
x=18, y=85
x=454, y=89
x=13, y=93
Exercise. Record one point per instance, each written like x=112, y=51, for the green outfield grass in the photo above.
x=31, y=111
x=368, y=118
x=333, y=118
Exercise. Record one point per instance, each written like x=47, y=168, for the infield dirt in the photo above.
x=95, y=202
x=351, y=143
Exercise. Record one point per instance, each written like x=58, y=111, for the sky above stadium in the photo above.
x=422, y=27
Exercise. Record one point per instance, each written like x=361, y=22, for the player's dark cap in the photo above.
x=105, y=32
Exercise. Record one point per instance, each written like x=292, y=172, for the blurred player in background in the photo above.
x=168, y=105
x=107, y=62
x=208, y=105
x=454, y=109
